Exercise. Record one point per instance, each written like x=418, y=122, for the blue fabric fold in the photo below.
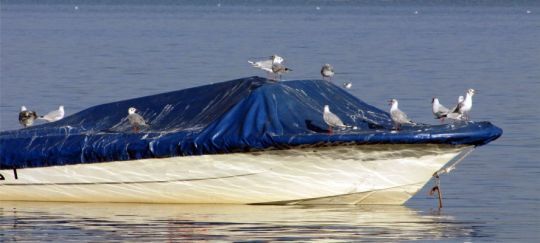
x=241, y=115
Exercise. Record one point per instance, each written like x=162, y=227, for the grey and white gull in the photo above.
x=267, y=64
x=464, y=107
x=331, y=119
x=327, y=71
x=439, y=111
x=26, y=117
x=398, y=117
x=136, y=120
x=455, y=115
x=55, y=115
x=279, y=69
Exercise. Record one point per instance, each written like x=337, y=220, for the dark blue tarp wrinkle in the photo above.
x=240, y=115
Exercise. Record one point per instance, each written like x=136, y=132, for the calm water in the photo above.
x=81, y=54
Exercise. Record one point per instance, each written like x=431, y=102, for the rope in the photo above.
x=447, y=169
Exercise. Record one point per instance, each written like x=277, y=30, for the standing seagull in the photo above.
x=459, y=100
x=332, y=119
x=278, y=69
x=54, y=115
x=439, y=111
x=26, y=117
x=398, y=117
x=135, y=119
x=465, y=106
x=452, y=114
x=327, y=71
x=267, y=64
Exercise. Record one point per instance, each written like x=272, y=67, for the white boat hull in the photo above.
x=353, y=174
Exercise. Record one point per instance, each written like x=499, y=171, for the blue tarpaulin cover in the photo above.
x=235, y=116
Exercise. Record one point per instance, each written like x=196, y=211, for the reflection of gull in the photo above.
x=439, y=111
x=332, y=119
x=54, y=115
x=327, y=71
x=266, y=65
x=26, y=117
x=135, y=119
x=398, y=117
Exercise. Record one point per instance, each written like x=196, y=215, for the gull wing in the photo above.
x=333, y=120
x=136, y=120
x=400, y=117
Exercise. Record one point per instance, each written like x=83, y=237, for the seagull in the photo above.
x=278, y=69
x=267, y=64
x=347, y=85
x=452, y=114
x=459, y=100
x=332, y=119
x=398, y=117
x=135, y=119
x=439, y=111
x=54, y=115
x=327, y=71
x=465, y=106
x=26, y=117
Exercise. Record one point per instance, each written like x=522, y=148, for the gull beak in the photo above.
x=390, y=102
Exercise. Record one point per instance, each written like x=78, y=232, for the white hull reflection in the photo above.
x=98, y=222
x=353, y=174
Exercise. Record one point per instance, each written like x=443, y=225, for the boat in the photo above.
x=244, y=141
